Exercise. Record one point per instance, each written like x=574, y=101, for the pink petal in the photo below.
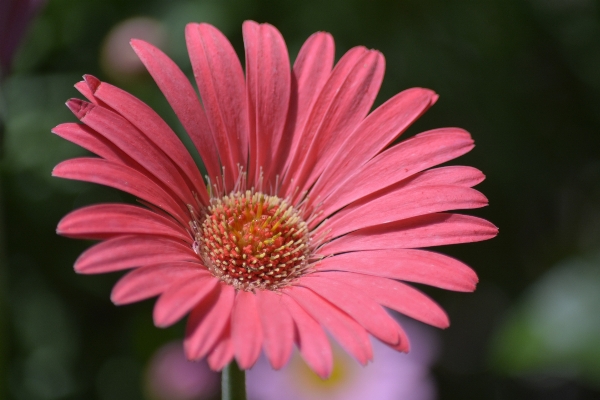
x=395, y=295
x=450, y=175
x=156, y=129
x=309, y=74
x=318, y=108
x=403, y=342
x=365, y=311
x=183, y=99
x=407, y=202
x=443, y=176
x=85, y=90
x=105, y=220
x=268, y=92
x=223, y=352
x=374, y=134
x=418, y=266
x=84, y=136
x=206, y=325
x=181, y=297
x=416, y=154
x=220, y=79
x=125, y=252
x=246, y=332
x=342, y=104
x=350, y=334
x=277, y=326
x=143, y=283
x=91, y=83
x=424, y=231
x=127, y=138
x=123, y=178
x=312, y=341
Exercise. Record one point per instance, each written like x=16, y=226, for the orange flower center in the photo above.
x=253, y=241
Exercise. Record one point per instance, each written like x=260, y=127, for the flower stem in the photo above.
x=3, y=268
x=233, y=382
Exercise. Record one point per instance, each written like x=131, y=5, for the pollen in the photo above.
x=253, y=241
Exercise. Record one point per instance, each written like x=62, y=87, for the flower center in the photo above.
x=253, y=241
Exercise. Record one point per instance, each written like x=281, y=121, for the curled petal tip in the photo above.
x=79, y=107
x=92, y=82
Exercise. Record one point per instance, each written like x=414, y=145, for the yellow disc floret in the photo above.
x=253, y=241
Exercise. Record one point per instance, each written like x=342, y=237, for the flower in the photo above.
x=306, y=221
x=170, y=376
x=391, y=376
x=118, y=59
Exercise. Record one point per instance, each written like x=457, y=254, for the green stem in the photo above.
x=233, y=382
x=3, y=267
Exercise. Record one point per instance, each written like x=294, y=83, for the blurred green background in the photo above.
x=523, y=76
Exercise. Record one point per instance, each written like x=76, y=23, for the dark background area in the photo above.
x=523, y=77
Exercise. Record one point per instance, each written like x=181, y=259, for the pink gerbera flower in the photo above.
x=305, y=222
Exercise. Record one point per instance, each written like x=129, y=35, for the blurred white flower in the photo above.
x=119, y=60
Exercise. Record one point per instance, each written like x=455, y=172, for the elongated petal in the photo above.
x=268, y=92
x=465, y=177
x=395, y=295
x=351, y=335
x=309, y=74
x=223, y=352
x=311, y=71
x=143, y=283
x=314, y=346
x=206, y=325
x=220, y=80
x=277, y=326
x=418, y=266
x=317, y=110
x=403, y=160
x=181, y=297
x=120, y=177
x=365, y=311
x=85, y=90
x=119, y=131
x=402, y=204
x=451, y=175
x=183, y=99
x=246, y=331
x=84, y=136
x=342, y=104
x=374, y=134
x=107, y=220
x=126, y=252
x=156, y=129
x=424, y=231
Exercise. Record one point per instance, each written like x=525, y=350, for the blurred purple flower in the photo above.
x=15, y=16
x=391, y=376
x=170, y=376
